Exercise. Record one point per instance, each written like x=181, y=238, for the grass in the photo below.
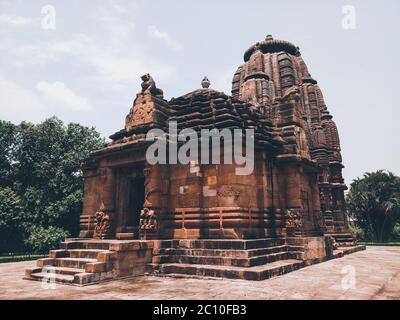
x=379, y=243
x=22, y=257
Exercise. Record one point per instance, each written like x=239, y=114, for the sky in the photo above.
x=82, y=60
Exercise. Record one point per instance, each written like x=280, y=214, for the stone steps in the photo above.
x=349, y=250
x=79, y=263
x=85, y=253
x=227, y=258
x=53, y=277
x=344, y=239
x=85, y=261
x=231, y=244
x=62, y=270
x=238, y=262
x=88, y=244
x=225, y=253
x=73, y=266
x=247, y=273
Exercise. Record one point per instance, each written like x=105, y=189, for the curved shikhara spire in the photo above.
x=271, y=71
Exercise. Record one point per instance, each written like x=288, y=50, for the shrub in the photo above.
x=42, y=240
x=396, y=232
x=357, y=232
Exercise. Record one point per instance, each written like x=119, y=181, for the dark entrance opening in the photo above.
x=129, y=199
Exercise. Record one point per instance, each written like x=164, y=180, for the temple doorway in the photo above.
x=129, y=200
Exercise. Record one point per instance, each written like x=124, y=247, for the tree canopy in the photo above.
x=41, y=185
x=374, y=204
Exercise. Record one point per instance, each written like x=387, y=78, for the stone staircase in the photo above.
x=83, y=262
x=344, y=239
x=234, y=259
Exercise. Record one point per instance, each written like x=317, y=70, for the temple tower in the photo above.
x=283, y=71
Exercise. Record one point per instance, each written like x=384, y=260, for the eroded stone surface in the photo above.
x=295, y=189
x=376, y=270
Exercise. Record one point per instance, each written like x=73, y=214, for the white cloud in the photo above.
x=14, y=20
x=19, y=104
x=79, y=44
x=113, y=68
x=164, y=37
x=58, y=92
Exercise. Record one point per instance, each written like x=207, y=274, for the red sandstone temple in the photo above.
x=203, y=219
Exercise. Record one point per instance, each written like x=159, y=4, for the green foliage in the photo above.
x=25, y=257
x=7, y=133
x=42, y=240
x=374, y=204
x=11, y=220
x=41, y=182
x=358, y=232
x=396, y=232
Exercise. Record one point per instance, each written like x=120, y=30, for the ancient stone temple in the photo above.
x=204, y=219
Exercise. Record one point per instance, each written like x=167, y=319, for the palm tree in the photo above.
x=374, y=203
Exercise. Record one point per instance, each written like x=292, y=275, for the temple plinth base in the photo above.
x=83, y=262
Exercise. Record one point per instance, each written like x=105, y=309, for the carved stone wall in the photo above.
x=296, y=187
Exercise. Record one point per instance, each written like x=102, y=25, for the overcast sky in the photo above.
x=88, y=69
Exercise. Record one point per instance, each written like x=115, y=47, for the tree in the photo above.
x=41, y=166
x=11, y=220
x=7, y=134
x=374, y=203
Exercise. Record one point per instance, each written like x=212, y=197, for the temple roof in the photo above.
x=271, y=45
x=208, y=109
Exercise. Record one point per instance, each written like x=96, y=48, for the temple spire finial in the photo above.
x=205, y=83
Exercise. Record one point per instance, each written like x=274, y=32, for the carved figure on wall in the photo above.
x=293, y=219
x=148, y=219
x=102, y=224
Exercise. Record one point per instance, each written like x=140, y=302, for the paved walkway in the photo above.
x=370, y=274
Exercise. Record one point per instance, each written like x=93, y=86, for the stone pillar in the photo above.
x=150, y=215
x=105, y=216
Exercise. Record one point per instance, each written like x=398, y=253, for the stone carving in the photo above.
x=142, y=114
x=319, y=137
x=291, y=95
x=102, y=224
x=293, y=219
x=151, y=187
x=229, y=191
x=148, y=219
x=149, y=86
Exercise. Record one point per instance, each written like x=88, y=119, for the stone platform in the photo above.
x=376, y=273
x=84, y=262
